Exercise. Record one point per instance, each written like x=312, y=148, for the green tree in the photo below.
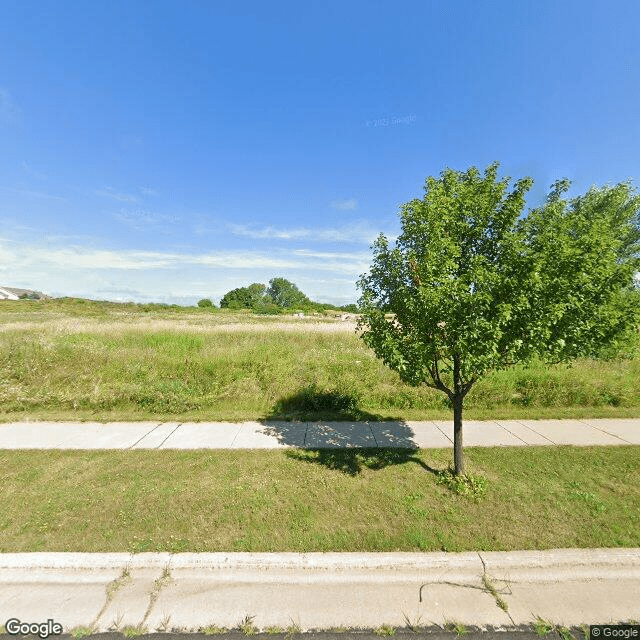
x=285, y=294
x=205, y=302
x=244, y=297
x=469, y=288
x=587, y=247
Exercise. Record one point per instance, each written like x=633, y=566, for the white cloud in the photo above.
x=331, y=255
x=73, y=266
x=35, y=194
x=75, y=257
x=36, y=174
x=110, y=192
x=351, y=203
x=146, y=191
x=357, y=233
x=268, y=232
x=142, y=219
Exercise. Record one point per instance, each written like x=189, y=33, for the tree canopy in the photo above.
x=285, y=294
x=244, y=297
x=281, y=295
x=470, y=287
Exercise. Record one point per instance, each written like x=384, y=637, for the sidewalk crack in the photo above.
x=158, y=585
x=112, y=588
x=490, y=588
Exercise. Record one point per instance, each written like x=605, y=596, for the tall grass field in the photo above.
x=81, y=360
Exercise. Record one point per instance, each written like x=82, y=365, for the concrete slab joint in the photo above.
x=159, y=584
x=112, y=588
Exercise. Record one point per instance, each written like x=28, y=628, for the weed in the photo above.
x=161, y=582
x=124, y=578
x=116, y=625
x=213, y=630
x=164, y=623
x=564, y=633
x=272, y=631
x=409, y=503
x=292, y=629
x=411, y=626
x=82, y=632
x=474, y=487
x=134, y=631
x=247, y=627
x=585, y=631
x=542, y=627
x=385, y=630
x=596, y=505
x=458, y=627
x=491, y=588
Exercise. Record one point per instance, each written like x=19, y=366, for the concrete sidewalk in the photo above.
x=278, y=434
x=159, y=591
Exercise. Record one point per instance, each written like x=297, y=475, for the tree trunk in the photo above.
x=458, y=462
x=458, y=397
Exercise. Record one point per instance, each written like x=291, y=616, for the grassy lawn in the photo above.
x=66, y=360
x=331, y=500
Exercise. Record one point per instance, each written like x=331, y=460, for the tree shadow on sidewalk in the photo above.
x=330, y=429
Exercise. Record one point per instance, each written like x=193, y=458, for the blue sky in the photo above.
x=170, y=151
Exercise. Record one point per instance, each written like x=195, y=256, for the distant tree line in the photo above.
x=279, y=297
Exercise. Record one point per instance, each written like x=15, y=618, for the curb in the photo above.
x=564, y=562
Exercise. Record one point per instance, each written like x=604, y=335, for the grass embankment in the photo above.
x=62, y=360
x=331, y=500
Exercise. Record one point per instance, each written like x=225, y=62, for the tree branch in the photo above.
x=467, y=386
x=438, y=384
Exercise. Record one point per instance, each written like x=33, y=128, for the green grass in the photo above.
x=542, y=627
x=457, y=627
x=213, y=630
x=385, y=630
x=328, y=500
x=66, y=360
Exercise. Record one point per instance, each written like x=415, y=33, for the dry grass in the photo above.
x=199, y=325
